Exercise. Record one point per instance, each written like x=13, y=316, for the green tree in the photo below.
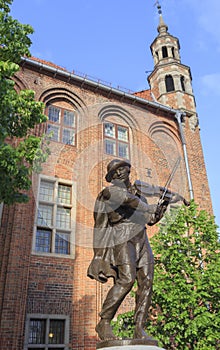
x=20, y=151
x=185, y=306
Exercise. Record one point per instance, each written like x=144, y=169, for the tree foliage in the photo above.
x=185, y=306
x=20, y=151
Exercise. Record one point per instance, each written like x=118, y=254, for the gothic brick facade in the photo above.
x=42, y=277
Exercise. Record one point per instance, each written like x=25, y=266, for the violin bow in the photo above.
x=170, y=178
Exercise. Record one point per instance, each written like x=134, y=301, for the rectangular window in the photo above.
x=44, y=215
x=46, y=191
x=69, y=118
x=54, y=131
x=116, y=140
x=123, y=150
x=64, y=194
x=62, y=124
x=63, y=217
x=37, y=331
x=47, y=332
x=62, y=243
x=43, y=241
x=110, y=147
x=122, y=134
x=55, y=218
x=109, y=130
x=68, y=136
x=54, y=114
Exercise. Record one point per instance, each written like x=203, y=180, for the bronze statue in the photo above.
x=121, y=246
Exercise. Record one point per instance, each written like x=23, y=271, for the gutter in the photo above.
x=178, y=116
x=97, y=85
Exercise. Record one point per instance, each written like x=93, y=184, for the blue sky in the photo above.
x=110, y=40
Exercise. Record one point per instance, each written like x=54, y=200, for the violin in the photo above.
x=165, y=195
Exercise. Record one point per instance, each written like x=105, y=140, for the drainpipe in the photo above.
x=178, y=116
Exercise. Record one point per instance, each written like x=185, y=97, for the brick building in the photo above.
x=46, y=245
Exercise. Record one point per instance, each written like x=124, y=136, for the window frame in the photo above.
x=183, y=83
x=116, y=139
x=47, y=318
x=169, y=83
x=164, y=51
x=54, y=228
x=60, y=126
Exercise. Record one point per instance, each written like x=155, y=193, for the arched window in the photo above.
x=169, y=83
x=116, y=140
x=62, y=123
x=182, y=81
x=173, y=51
x=164, y=52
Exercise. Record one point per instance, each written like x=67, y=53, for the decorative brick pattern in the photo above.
x=58, y=285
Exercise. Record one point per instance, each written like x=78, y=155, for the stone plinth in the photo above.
x=129, y=344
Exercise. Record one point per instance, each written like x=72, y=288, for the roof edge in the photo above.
x=95, y=84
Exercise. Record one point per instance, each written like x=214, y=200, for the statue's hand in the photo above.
x=185, y=202
x=175, y=197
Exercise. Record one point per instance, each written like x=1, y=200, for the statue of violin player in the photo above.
x=121, y=246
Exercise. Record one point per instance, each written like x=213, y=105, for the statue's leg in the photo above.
x=143, y=299
x=115, y=296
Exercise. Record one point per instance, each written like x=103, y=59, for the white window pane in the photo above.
x=44, y=215
x=122, y=133
x=54, y=114
x=123, y=150
x=69, y=119
x=64, y=194
x=55, y=130
x=68, y=136
x=46, y=191
x=109, y=130
x=110, y=147
x=63, y=218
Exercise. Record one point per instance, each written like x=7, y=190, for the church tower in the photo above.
x=170, y=81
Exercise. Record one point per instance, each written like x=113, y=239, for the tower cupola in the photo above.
x=170, y=81
x=165, y=48
x=162, y=27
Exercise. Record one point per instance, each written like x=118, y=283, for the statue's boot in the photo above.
x=139, y=332
x=104, y=330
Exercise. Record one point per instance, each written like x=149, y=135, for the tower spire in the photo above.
x=162, y=27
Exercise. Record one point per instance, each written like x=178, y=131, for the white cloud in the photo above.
x=210, y=84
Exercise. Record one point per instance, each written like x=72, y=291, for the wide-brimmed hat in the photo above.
x=113, y=165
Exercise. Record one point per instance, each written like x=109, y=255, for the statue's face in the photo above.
x=122, y=173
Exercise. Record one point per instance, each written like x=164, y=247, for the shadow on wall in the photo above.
x=83, y=326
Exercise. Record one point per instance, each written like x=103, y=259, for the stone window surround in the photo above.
x=73, y=218
x=47, y=317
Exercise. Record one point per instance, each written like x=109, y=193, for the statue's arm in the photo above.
x=118, y=197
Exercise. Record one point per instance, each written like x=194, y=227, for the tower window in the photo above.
x=169, y=83
x=116, y=140
x=182, y=81
x=173, y=51
x=164, y=52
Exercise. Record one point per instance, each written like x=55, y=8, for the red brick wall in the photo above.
x=35, y=284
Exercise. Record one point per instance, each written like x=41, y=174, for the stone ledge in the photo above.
x=129, y=344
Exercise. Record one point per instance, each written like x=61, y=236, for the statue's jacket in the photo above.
x=120, y=216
